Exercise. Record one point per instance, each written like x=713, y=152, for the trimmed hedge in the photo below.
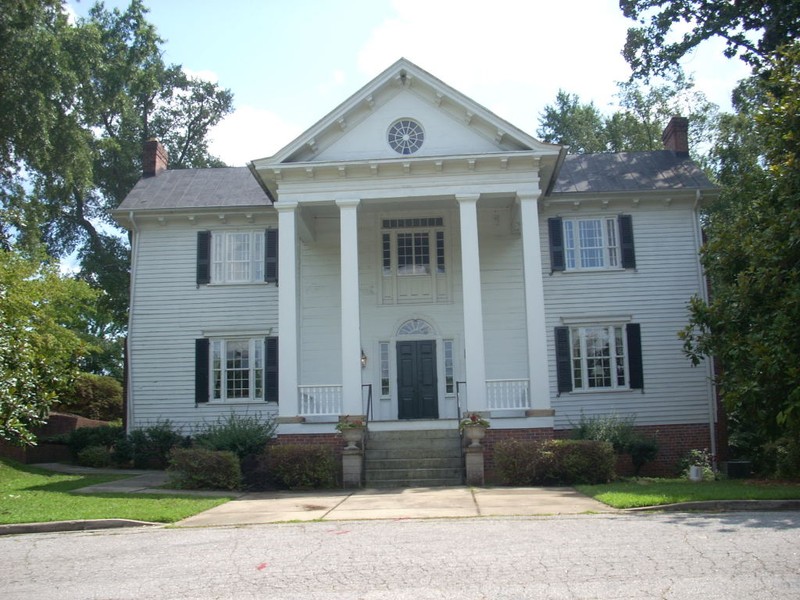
x=198, y=468
x=554, y=462
x=292, y=466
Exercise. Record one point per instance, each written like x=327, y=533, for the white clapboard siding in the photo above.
x=655, y=295
x=169, y=312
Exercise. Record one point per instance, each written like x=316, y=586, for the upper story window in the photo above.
x=237, y=256
x=414, y=260
x=582, y=244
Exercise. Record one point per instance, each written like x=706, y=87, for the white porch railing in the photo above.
x=319, y=400
x=507, y=394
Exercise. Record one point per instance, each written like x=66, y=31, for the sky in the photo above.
x=291, y=62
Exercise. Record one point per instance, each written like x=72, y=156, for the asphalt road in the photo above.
x=726, y=556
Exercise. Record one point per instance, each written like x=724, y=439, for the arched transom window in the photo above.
x=415, y=327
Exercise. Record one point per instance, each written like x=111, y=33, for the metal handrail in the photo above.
x=458, y=423
x=367, y=416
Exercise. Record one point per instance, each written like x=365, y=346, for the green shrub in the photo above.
x=781, y=458
x=516, y=461
x=95, y=397
x=567, y=462
x=642, y=451
x=97, y=457
x=293, y=466
x=616, y=430
x=198, y=468
x=243, y=435
x=150, y=446
x=84, y=437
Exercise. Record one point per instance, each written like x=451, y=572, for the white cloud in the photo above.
x=210, y=76
x=250, y=133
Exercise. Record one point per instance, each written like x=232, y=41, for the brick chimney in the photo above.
x=676, y=136
x=154, y=158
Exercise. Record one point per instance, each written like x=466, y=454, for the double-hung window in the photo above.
x=246, y=256
x=236, y=369
x=583, y=244
x=599, y=357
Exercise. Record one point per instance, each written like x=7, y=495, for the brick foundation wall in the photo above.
x=673, y=443
x=496, y=435
x=331, y=440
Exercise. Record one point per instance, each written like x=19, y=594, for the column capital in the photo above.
x=285, y=206
x=467, y=198
x=348, y=202
x=529, y=193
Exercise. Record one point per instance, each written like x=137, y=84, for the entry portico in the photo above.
x=422, y=208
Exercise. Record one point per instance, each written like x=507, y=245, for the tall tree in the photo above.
x=753, y=260
x=99, y=89
x=752, y=29
x=637, y=126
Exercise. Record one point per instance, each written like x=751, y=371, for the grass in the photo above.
x=30, y=495
x=655, y=492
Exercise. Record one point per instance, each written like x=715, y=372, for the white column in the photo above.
x=287, y=309
x=534, y=299
x=473, y=305
x=351, y=315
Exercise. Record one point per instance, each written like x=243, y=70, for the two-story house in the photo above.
x=414, y=256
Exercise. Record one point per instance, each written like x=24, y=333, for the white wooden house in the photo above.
x=415, y=256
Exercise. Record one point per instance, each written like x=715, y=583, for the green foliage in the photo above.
x=95, y=397
x=697, y=458
x=95, y=456
x=40, y=312
x=617, y=430
x=637, y=126
x=781, y=458
x=79, y=99
x=106, y=436
x=642, y=450
x=298, y=467
x=241, y=434
x=751, y=29
x=551, y=462
x=198, y=469
x=752, y=259
x=150, y=446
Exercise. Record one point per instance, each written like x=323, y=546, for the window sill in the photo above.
x=237, y=403
x=583, y=392
x=238, y=284
x=597, y=270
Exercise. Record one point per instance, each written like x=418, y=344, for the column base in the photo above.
x=474, y=464
x=352, y=463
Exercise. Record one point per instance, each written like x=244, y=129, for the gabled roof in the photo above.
x=404, y=73
x=629, y=172
x=196, y=188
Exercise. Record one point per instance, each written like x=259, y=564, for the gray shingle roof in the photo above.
x=196, y=188
x=629, y=172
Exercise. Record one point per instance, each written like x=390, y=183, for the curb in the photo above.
x=722, y=506
x=87, y=525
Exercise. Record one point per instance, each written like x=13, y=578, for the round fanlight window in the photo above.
x=406, y=136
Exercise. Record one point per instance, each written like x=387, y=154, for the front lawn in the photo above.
x=30, y=495
x=655, y=492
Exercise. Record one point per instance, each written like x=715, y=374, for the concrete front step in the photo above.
x=414, y=458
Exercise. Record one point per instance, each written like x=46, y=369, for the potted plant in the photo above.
x=474, y=426
x=352, y=430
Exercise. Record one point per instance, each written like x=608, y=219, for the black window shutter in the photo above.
x=271, y=369
x=626, y=241
x=203, y=257
x=201, y=388
x=636, y=375
x=563, y=360
x=271, y=255
x=556, y=233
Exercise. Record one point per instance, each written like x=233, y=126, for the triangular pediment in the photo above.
x=357, y=132
x=452, y=123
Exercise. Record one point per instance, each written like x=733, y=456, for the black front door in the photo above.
x=416, y=380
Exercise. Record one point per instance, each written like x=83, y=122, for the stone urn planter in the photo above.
x=352, y=435
x=474, y=434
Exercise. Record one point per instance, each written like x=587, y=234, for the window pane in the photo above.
x=598, y=358
x=387, y=254
x=238, y=250
x=216, y=369
x=385, y=369
x=449, y=385
x=237, y=369
x=258, y=256
x=577, y=366
x=258, y=368
x=619, y=351
x=569, y=244
x=611, y=236
x=591, y=241
x=405, y=254
x=440, y=252
x=422, y=255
